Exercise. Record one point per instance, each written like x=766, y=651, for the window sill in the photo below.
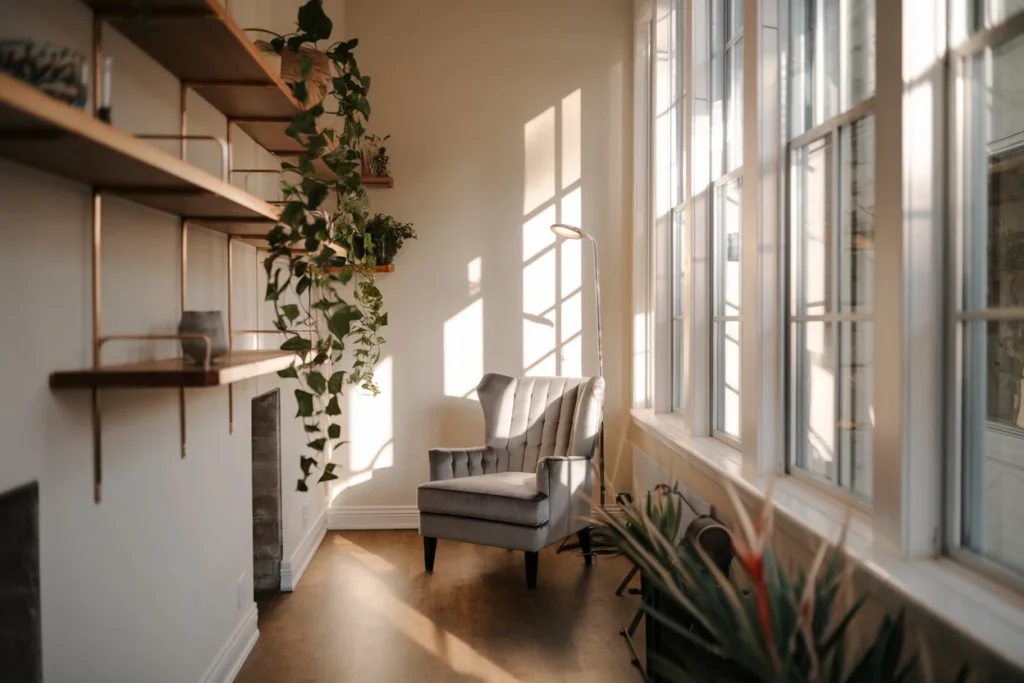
x=946, y=591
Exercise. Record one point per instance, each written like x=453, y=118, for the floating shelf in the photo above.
x=175, y=372
x=199, y=42
x=378, y=181
x=377, y=269
x=39, y=131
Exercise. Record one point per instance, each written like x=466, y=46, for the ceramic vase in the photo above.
x=209, y=323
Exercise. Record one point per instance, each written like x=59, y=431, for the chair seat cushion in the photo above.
x=510, y=497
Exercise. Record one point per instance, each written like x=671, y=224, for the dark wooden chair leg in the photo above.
x=429, y=550
x=531, y=569
x=584, y=537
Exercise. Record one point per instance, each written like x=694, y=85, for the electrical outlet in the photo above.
x=305, y=513
x=241, y=592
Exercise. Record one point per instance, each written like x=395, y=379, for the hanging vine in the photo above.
x=336, y=339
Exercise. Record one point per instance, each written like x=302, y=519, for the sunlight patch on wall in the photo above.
x=371, y=423
x=537, y=235
x=474, y=276
x=539, y=158
x=539, y=308
x=464, y=350
x=572, y=152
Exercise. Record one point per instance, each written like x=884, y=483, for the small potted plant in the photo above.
x=375, y=156
x=386, y=236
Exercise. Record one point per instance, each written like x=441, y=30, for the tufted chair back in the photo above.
x=529, y=418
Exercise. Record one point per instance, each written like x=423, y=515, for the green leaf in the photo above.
x=333, y=408
x=311, y=429
x=316, y=382
x=288, y=373
x=297, y=343
x=300, y=91
x=306, y=463
x=318, y=444
x=334, y=431
x=340, y=324
x=301, y=486
x=302, y=285
x=314, y=21
x=335, y=382
x=326, y=476
x=294, y=214
x=291, y=311
x=305, y=401
x=382, y=319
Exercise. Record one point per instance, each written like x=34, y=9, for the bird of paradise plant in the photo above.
x=787, y=627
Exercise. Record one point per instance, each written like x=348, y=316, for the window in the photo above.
x=671, y=169
x=831, y=241
x=726, y=162
x=989, y=310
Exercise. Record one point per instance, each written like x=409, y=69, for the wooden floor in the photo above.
x=366, y=612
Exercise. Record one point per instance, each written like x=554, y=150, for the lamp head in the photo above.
x=569, y=232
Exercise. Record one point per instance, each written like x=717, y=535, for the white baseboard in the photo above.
x=232, y=656
x=373, y=517
x=293, y=567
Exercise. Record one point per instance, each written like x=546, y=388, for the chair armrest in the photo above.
x=452, y=463
x=568, y=483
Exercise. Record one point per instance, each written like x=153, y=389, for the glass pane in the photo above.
x=811, y=228
x=814, y=399
x=998, y=11
x=678, y=258
x=856, y=414
x=859, y=25
x=728, y=278
x=802, y=47
x=719, y=85
x=678, y=398
x=734, y=106
x=857, y=242
x=727, y=377
x=735, y=17
x=993, y=444
x=994, y=195
x=827, y=74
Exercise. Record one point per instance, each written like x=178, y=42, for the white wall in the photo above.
x=504, y=116
x=142, y=586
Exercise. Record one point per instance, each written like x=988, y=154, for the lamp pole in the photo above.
x=600, y=362
x=571, y=232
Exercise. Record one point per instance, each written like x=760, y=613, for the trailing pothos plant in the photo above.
x=336, y=339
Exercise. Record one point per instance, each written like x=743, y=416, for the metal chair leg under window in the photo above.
x=628, y=634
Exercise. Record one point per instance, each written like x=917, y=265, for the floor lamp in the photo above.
x=571, y=232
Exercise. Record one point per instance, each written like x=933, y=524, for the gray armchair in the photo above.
x=529, y=485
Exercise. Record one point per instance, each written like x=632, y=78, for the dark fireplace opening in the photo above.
x=21, y=641
x=267, y=545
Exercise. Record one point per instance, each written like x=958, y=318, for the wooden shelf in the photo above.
x=378, y=181
x=199, y=42
x=378, y=269
x=39, y=131
x=175, y=372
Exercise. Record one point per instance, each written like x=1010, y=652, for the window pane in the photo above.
x=735, y=17
x=994, y=264
x=857, y=243
x=802, y=48
x=994, y=441
x=811, y=228
x=734, y=106
x=856, y=416
x=814, y=399
x=859, y=27
x=727, y=250
x=727, y=377
x=678, y=395
x=719, y=86
x=998, y=11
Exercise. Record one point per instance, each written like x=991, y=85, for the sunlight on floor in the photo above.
x=375, y=597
